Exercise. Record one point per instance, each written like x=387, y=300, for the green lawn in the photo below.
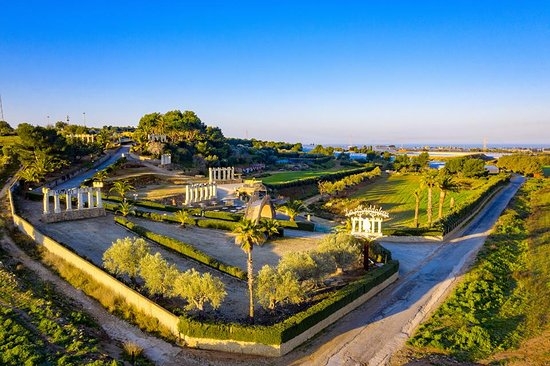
x=546, y=171
x=394, y=193
x=283, y=177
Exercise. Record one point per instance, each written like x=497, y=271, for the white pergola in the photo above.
x=367, y=221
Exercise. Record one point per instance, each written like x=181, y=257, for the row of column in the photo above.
x=221, y=174
x=80, y=193
x=366, y=225
x=200, y=192
x=85, y=137
x=157, y=137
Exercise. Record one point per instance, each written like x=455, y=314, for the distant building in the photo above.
x=491, y=169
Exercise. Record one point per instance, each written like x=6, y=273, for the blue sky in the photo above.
x=351, y=72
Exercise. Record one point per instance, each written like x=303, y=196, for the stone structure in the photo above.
x=84, y=137
x=367, y=221
x=199, y=192
x=157, y=137
x=90, y=195
x=221, y=174
x=165, y=159
x=259, y=207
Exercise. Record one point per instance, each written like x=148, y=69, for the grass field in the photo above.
x=546, y=171
x=394, y=193
x=283, y=177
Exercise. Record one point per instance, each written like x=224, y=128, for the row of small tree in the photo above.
x=333, y=188
x=132, y=257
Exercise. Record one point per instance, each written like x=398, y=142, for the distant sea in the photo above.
x=411, y=146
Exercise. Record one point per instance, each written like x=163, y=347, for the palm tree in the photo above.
x=122, y=187
x=100, y=176
x=183, y=217
x=429, y=180
x=445, y=183
x=417, y=193
x=270, y=227
x=248, y=234
x=292, y=209
x=125, y=208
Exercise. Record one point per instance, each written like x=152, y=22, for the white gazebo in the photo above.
x=367, y=221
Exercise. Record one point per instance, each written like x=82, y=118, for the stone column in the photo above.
x=232, y=173
x=56, y=206
x=46, y=200
x=68, y=198
x=186, y=194
x=210, y=180
x=90, y=198
x=79, y=198
x=98, y=198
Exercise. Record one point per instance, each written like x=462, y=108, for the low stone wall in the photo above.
x=74, y=214
x=165, y=318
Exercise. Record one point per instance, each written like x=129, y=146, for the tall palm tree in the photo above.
x=445, y=183
x=292, y=209
x=417, y=194
x=122, y=187
x=429, y=180
x=248, y=233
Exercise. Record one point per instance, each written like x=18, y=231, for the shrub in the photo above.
x=185, y=249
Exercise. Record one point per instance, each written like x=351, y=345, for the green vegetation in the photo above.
x=40, y=327
x=290, y=176
x=183, y=248
x=289, y=328
x=505, y=298
x=396, y=194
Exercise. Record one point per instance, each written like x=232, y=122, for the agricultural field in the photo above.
x=395, y=194
x=40, y=327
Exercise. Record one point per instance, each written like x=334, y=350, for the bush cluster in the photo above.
x=293, y=326
x=183, y=248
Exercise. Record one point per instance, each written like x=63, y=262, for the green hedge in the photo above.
x=297, y=225
x=456, y=217
x=216, y=224
x=186, y=249
x=293, y=326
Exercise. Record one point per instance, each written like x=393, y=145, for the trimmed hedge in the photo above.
x=216, y=224
x=185, y=249
x=456, y=217
x=297, y=225
x=291, y=327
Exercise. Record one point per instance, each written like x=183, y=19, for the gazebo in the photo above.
x=367, y=221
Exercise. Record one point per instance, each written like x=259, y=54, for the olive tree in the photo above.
x=199, y=289
x=277, y=288
x=124, y=256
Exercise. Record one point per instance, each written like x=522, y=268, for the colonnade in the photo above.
x=84, y=137
x=157, y=137
x=221, y=174
x=200, y=192
x=92, y=195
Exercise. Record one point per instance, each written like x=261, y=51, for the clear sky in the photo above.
x=350, y=72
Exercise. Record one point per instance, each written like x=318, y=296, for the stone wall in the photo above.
x=74, y=214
